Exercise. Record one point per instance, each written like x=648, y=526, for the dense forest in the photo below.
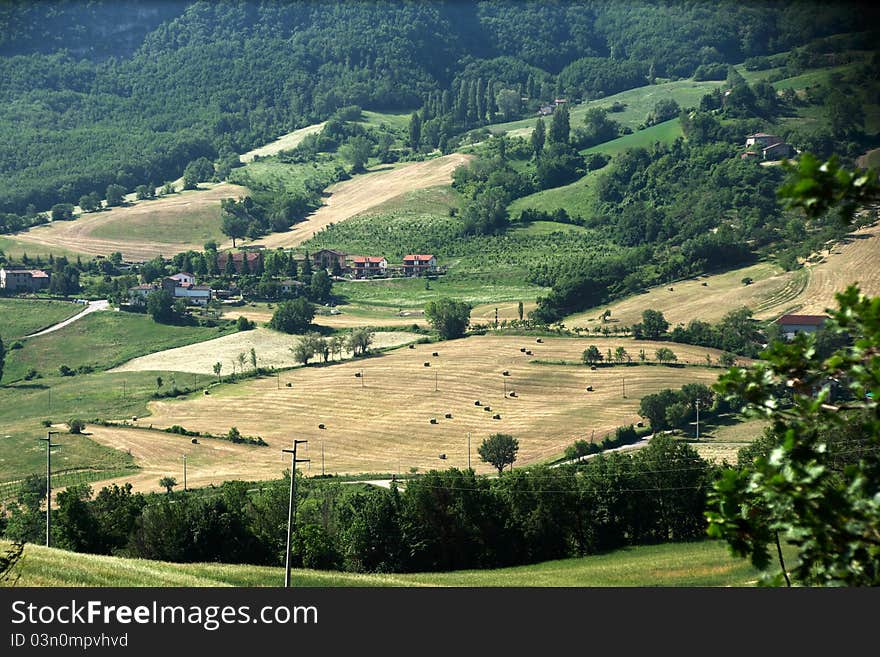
x=99, y=93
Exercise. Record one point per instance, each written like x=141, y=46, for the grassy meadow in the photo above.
x=706, y=563
x=20, y=317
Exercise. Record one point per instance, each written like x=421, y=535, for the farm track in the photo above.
x=380, y=421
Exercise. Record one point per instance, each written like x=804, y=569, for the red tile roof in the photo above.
x=368, y=259
x=803, y=320
x=418, y=257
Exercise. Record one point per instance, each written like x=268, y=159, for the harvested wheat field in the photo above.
x=272, y=349
x=772, y=293
x=210, y=461
x=284, y=142
x=143, y=229
x=351, y=197
x=380, y=421
x=485, y=313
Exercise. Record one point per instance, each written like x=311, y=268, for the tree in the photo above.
x=500, y=450
x=449, y=318
x=168, y=483
x=241, y=358
x=359, y=341
x=665, y=355
x=253, y=355
x=620, y=354
x=65, y=282
x=76, y=426
x=415, y=131
x=653, y=407
x=653, y=324
x=538, y=137
x=144, y=192
x=509, y=103
x=319, y=288
x=560, y=126
x=293, y=316
x=90, y=202
x=62, y=212
x=234, y=226
x=197, y=171
x=306, y=348
x=160, y=305
x=519, y=310
x=357, y=151
x=217, y=367
x=115, y=195
x=592, y=355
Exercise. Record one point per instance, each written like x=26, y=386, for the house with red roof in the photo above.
x=23, y=280
x=418, y=264
x=368, y=266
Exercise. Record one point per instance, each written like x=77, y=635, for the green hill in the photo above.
x=686, y=564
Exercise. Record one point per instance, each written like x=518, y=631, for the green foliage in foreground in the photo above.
x=678, y=564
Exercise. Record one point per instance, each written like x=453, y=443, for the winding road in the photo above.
x=91, y=307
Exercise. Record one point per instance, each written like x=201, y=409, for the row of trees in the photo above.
x=445, y=520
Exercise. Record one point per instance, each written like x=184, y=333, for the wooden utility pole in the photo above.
x=49, y=447
x=291, y=505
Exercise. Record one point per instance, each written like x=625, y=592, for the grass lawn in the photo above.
x=639, y=103
x=102, y=340
x=20, y=317
x=665, y=133
x=705, y=563
x=576, y=198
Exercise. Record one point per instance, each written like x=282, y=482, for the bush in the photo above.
x=244, y=324
x=32, y=374
x=76, y=426
x=64, y=370
x=46, y=423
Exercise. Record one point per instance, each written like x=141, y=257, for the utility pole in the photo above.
x=49, y=447
x=291, y=505
x=184, y=472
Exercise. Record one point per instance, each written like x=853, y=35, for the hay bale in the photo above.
x=529, y=352
x=289, y=385
x=640, y=424
x=513, y=393
x=357, y=375
x=496, y=416
x=589, y=388
x=321, y=426
x=207, y=392
x=539, y=340
x=433, y=420
x=477, y=403
x=487, y=408
x=448, y=416
x=522, y=349
x=412, y=346
x=434, y=353
x=195, y=441
x=592, y=367
x=506, y=373
x=427, y=364
x=441, y=456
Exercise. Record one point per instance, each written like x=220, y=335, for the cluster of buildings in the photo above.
x=181, y=286
x=360, y=267
x=23, y=280
x=761, y=146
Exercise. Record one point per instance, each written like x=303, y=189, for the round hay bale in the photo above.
x=289, y=385
x=433, y=420
x=513, y=393
x=522, y=349
x=529, y=352
x=207, y=392
x=477, y=403
x=441, y=456
x=357, y=375
x=195, y=441
x=496, y=416
x=487, y=408
x=427, y=364
x=412, y=346
x=539, y=340
x=435, y=353
x=505, y=373
x=640, y=424
x=321, y=426
x=592, y=367
x=448, y=416
x=589, y=388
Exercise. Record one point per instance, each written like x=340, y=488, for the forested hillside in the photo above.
x=128, y=93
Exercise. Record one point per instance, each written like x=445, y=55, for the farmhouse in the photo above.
x=793, y=324
x=181, y=286
x=545, y=110
x=254, y=260
x=767, y=147
x=329, y=259
x=416, y=265
x=368, y=266
x=762, y=140
x=138, y=294
x=23, y=280
x=290, y=286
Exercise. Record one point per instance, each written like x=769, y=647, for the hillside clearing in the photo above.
x=773, y=292
x=351, y=197
x=379, y=422
x=284, y=142
x=272, y=349
x=140, y=231
x=705, y=563
x=21, y=317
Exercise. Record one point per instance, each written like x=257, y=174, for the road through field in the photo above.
x=91, y=307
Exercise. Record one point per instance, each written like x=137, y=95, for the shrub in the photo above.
x=64, y=370
x=76, y=426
